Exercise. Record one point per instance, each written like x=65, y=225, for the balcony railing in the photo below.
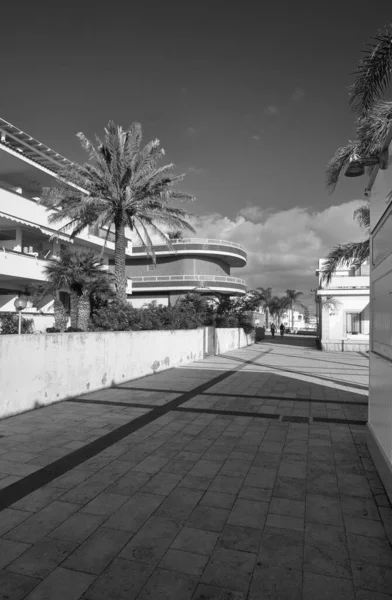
x=193, y=241
x=346, y=282
x=212, y=278
x=17, y=264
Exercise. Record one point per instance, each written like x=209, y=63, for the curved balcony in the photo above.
x=234, y=254
x=187, y=283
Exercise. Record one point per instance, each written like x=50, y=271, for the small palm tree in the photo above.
x=175, y=235
x=265, y=295
x=122, y=186
x=83, y=274
x=292, y=297
x=353, y=254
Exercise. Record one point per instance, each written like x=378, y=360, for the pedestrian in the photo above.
x=281, y=329
x=273, y=329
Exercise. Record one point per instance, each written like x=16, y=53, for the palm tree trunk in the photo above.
x=292, y=317
x=119, y=260
x=84, y=308
x=74, y=301
x=60, y=317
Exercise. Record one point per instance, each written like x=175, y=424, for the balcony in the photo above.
x=233, y=254
x=349, y=283
x=188, y=283
x=15, y=265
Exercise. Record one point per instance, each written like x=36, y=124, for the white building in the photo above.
x=26, y=166
x=343, y=309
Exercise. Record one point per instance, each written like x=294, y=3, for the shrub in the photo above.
x=9, y=324
x=52, y=330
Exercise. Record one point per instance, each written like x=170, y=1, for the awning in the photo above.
x=46, y=231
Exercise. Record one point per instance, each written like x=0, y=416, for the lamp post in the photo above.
x=20, y=304
x=357, y=164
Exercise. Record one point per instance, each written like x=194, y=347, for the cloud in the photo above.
x=256, y=137
x=190, y=131
x=298, y=94
x=283, y=246
x=271, y=110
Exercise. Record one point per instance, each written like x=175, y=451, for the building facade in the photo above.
x=28, y=239
x=343, y=310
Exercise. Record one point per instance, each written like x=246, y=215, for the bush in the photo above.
x=9, y=324
x=52, y=330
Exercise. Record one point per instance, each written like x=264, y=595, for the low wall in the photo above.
x=231, y=339
x=259, y=334
x=345, y=345
x=36, y=370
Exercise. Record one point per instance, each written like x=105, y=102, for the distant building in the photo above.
x=343, y=309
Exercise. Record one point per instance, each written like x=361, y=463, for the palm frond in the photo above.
x=338, y=162
x=351, y=254
x=373, y=74
x=362, y=216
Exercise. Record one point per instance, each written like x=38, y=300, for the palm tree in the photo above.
x=265, y=295
x=122, y=186
x=277, y=305
x=373, y=76
x=175, y=235
x=353, y=254
x=83, y=274
x=292, y=296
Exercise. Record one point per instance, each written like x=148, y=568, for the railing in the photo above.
x=202, y=241
x=216, y=278
x=348, y=282
x=19, y=264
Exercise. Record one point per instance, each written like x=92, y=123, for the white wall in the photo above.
x=36, y=370
x=334, y=321
x=230, y=339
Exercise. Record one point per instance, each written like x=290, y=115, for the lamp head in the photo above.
x=356, y=167
x=20, y=303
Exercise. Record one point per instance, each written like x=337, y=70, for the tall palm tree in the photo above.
x=292, y=297
x=121, y=186
x=353, y=254
x=277, y=305
x=265, y=297
x=83, y=274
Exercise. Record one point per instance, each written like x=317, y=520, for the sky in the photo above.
x=248, y=99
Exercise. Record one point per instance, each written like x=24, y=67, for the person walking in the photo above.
x=273, y=329
x=281, y=329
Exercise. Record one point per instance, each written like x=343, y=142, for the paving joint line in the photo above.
x=29, y=484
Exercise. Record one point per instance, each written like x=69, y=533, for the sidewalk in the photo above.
x=241, y=477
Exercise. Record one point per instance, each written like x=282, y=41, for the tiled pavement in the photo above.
x=244, y=476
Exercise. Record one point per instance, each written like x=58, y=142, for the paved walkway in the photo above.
x=241, y=477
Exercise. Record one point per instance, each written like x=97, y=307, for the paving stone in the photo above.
x=354, y=485
x=42, y=558
x=195, y=482
x=285, y=522
x=152, y=540
x=105, y=504
x=323, y=509
x=364, y=508
x=369, y=550
x=14, y=586
x=325, y=484
x=235, y=467
x=166, y=585
x=283, y=506
x=122, y=580
x=208, y=592
x=179, y=504
x=229, y=569
x=294, y=469
x=281, y=547
x=84, y=492
x=244, y=539
x=62, y=584
x=364, y=527
x=327, y=560
x=261, y=477
x=195, y=540
x=77, y=528
x=130, y=483
x=224, y=483
x=266, y=460
x=370, y=595
x=10, y=518
x=94, y=555
x=248, y=513
x=131, y=515
x=162, y=484
x=206, y=468
x=183, y=562
x=254, y=493
x=330, y=535
x=372, y=577
x=39, y=499
x=41, y=523
x=218, y=499
x=323, y=587
x=275, y=583
x=208, y=518
x=290, y=487
x=10, y=550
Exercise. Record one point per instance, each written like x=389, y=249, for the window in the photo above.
x=7, y=234
x=151, y=267
x=353, y=323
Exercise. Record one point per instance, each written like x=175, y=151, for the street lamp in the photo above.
x=20, y=304
x=357, y=164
